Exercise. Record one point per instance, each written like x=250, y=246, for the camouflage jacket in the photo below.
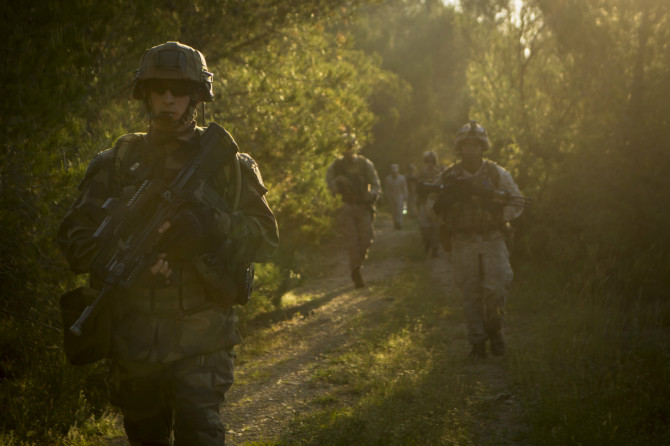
x=362, y=185
x=164, y=322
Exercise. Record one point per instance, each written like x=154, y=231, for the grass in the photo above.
x=584, y=367
x=591, y=372
x=400, y=367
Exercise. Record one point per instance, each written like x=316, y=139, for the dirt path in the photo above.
x=282, y=352
x=275, y=384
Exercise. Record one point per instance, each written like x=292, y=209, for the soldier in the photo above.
x=427, y=223
x=355, y=179
x=412, y=179
x=173, y=333
x=395, y=191
x=475, y=222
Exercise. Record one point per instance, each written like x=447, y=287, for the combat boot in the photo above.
x=497, y=344
x=478, y=350
x=357, y=278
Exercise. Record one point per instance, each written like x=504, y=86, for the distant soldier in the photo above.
x=395, y=192
x=476, y=216
x=412, y=177
x=353, y=177
x=173, y=328
x=428, y=225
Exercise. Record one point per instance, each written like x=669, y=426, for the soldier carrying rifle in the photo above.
x=475, y=202
x=354, y=178
x=167, y=224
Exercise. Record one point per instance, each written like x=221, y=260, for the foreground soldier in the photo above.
x=173, y=330
x=475, y=225
x=355, y=179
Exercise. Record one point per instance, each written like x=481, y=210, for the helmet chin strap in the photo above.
x=169, y=128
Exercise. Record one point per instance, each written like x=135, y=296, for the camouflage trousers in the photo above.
x=483, y=273
x=396, y=206
x=355, y=223
x=175, y=403
x=428, y=225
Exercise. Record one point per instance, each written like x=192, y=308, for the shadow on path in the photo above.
x=267, y=319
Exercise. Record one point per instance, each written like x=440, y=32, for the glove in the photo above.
x=443, y=202
x=192, y=231
x=343, y=185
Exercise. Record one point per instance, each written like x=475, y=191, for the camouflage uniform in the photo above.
x=172, y=356
x=428, y=225
x=479, y=253
x=395, y=192
x=356, y=180
x=479, y=256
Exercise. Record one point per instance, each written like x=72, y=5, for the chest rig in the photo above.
x=474, y=213
x=136, y=161
x=357, y=175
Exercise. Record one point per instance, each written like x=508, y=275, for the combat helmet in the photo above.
x=350, y=141
x=174, y=61
x=472, y=131
x=429, y=156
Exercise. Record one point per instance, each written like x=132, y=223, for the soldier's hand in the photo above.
x=164, y=227
x=343, y=185
x=161, y=267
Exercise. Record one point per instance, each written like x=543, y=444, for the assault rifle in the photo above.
x=129, y=234
x=463, y=189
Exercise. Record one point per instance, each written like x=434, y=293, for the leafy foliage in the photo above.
x=574, y=95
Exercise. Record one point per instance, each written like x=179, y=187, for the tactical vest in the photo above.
x=131, y=166
x=357, y=175
x=476, y=213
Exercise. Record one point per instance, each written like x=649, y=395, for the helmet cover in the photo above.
x=173, y=61
x=472, y=131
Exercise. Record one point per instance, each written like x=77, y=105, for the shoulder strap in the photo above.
x=338, y=168
x=124, y=143
x=493, y=173
x=229, y=151
x=451, y=170
x=110, y=158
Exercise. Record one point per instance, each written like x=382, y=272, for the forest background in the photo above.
x=575, y=95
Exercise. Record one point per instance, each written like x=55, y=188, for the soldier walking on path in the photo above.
x=353, y=177
x=172, y=328
x=412, y=178
x=475, y=210
x=428, y=225
x=395, y=193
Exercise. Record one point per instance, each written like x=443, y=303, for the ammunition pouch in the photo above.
x=95, y=341
x=227, y=284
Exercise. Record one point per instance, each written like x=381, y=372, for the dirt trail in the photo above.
x=277, y=361
x=259, y=407
x=275, y=385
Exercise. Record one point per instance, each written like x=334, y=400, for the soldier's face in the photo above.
x=169, y=103
x=471, y=150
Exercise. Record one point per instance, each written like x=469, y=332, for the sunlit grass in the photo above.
x=592, y=373
x=396, y=366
